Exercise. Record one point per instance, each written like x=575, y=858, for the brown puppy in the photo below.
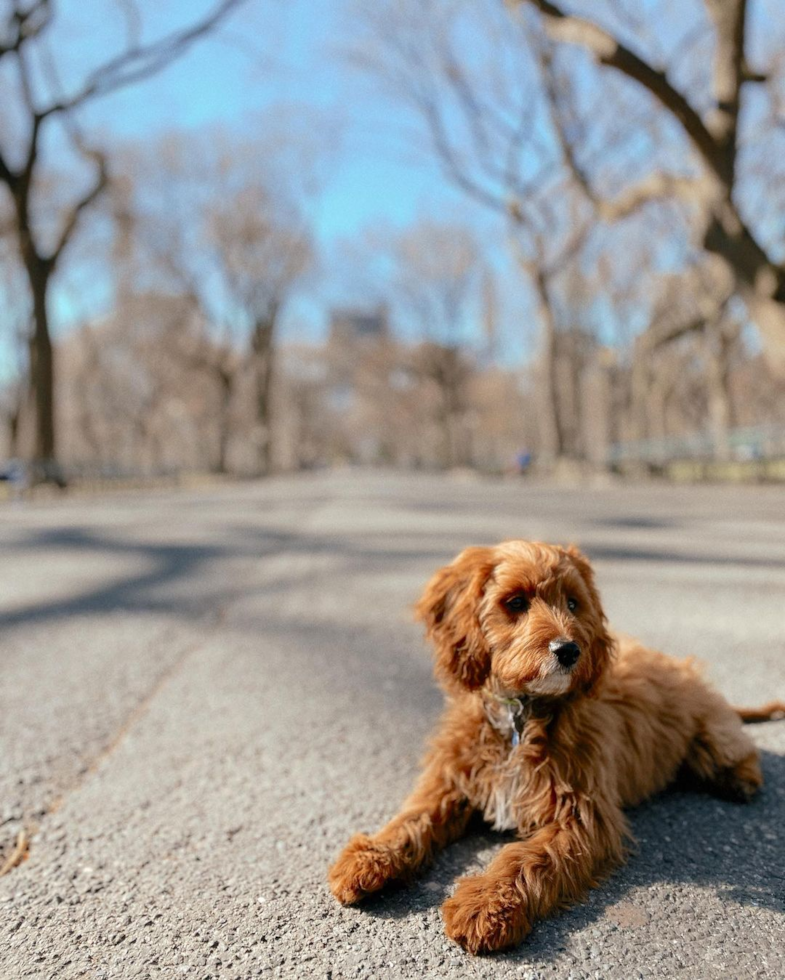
x=552, y=726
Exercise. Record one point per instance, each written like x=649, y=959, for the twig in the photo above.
x=18, y=854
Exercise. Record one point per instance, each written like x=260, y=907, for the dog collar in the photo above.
x=516, y=713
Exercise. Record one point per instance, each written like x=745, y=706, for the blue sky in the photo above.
x=271, y=53
x=284, y=52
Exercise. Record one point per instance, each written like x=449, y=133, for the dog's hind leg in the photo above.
x=722, y=758
x=433, y=816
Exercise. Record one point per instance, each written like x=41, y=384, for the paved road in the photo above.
x=203, y=694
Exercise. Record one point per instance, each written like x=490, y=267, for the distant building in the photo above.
x=352, y=325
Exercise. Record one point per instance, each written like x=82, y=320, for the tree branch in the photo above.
x=729, y=63
x=7, y=175
x=23, y=25
x=730, y=73
x=611, y=52
x=139, y=63
x=449, y=159
x=84, y=202
x=711, y=307
x=544, y=58
x=657, y=186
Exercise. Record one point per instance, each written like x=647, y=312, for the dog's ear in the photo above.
x=582, y=563
x=602, y=642
x=449, y=607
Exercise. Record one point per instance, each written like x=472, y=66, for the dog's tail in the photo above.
x=773, y=711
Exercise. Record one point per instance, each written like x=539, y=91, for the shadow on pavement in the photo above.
x=683, y=839
x=144, y=591
x=162, y=586
x=613, y=553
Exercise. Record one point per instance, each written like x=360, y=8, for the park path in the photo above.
x=203, y=693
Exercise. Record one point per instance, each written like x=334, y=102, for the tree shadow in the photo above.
x=615, y=553
x=639, y=522
x=683, y=838
x=168, y=581
x=146, y=590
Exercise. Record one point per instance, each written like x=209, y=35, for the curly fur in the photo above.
x=607, y=732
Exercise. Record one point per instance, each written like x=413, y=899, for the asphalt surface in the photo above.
x=203, y=694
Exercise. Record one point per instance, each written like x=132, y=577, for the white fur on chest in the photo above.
x=502, y=807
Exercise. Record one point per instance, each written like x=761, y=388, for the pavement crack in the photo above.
x=20, y=850
x=131, y=721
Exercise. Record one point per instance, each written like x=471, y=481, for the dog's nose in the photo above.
x=566, y=651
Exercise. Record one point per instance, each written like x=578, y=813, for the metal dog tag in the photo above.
x=517, y=722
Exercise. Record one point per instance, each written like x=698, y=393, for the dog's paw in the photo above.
x=363, y=868
x=484, y=916
x=740, y=783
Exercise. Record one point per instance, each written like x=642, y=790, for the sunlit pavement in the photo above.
x=203, y=694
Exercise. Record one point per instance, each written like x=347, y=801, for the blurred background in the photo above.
x=257, y=236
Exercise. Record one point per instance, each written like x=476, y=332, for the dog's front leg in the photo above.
x=531, y=878
x=435, y=814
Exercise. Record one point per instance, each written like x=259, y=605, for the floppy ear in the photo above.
x=583, y=565
x=602, y=646
x=449, y=607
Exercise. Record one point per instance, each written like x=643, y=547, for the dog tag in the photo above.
x=517, y=722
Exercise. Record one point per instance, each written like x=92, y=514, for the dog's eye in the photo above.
x=572, y=604
x=517, y=603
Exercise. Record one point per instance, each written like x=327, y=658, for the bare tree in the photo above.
x=40, y=102
x=721, y=189
x=130, y=402
x=226, y=228
x=486, y=113
x=590, y=165
x=720, y=347
x=262, y=251
x=434, y=275
x=159, y=248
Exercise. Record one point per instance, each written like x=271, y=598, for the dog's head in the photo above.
x=523, y=614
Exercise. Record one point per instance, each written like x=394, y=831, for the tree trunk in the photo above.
x=453, y=409
x=445, y=423
x=639, y=394
x=570, y=369
x=717, y=346
x=768, y=315
x=13, y=432
x=594, y=390
x=42, y=375
x=761, y=283
x=551, y=435
x=225, y=392
x=13, y=419
x=657, y=408
x=264, y=370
